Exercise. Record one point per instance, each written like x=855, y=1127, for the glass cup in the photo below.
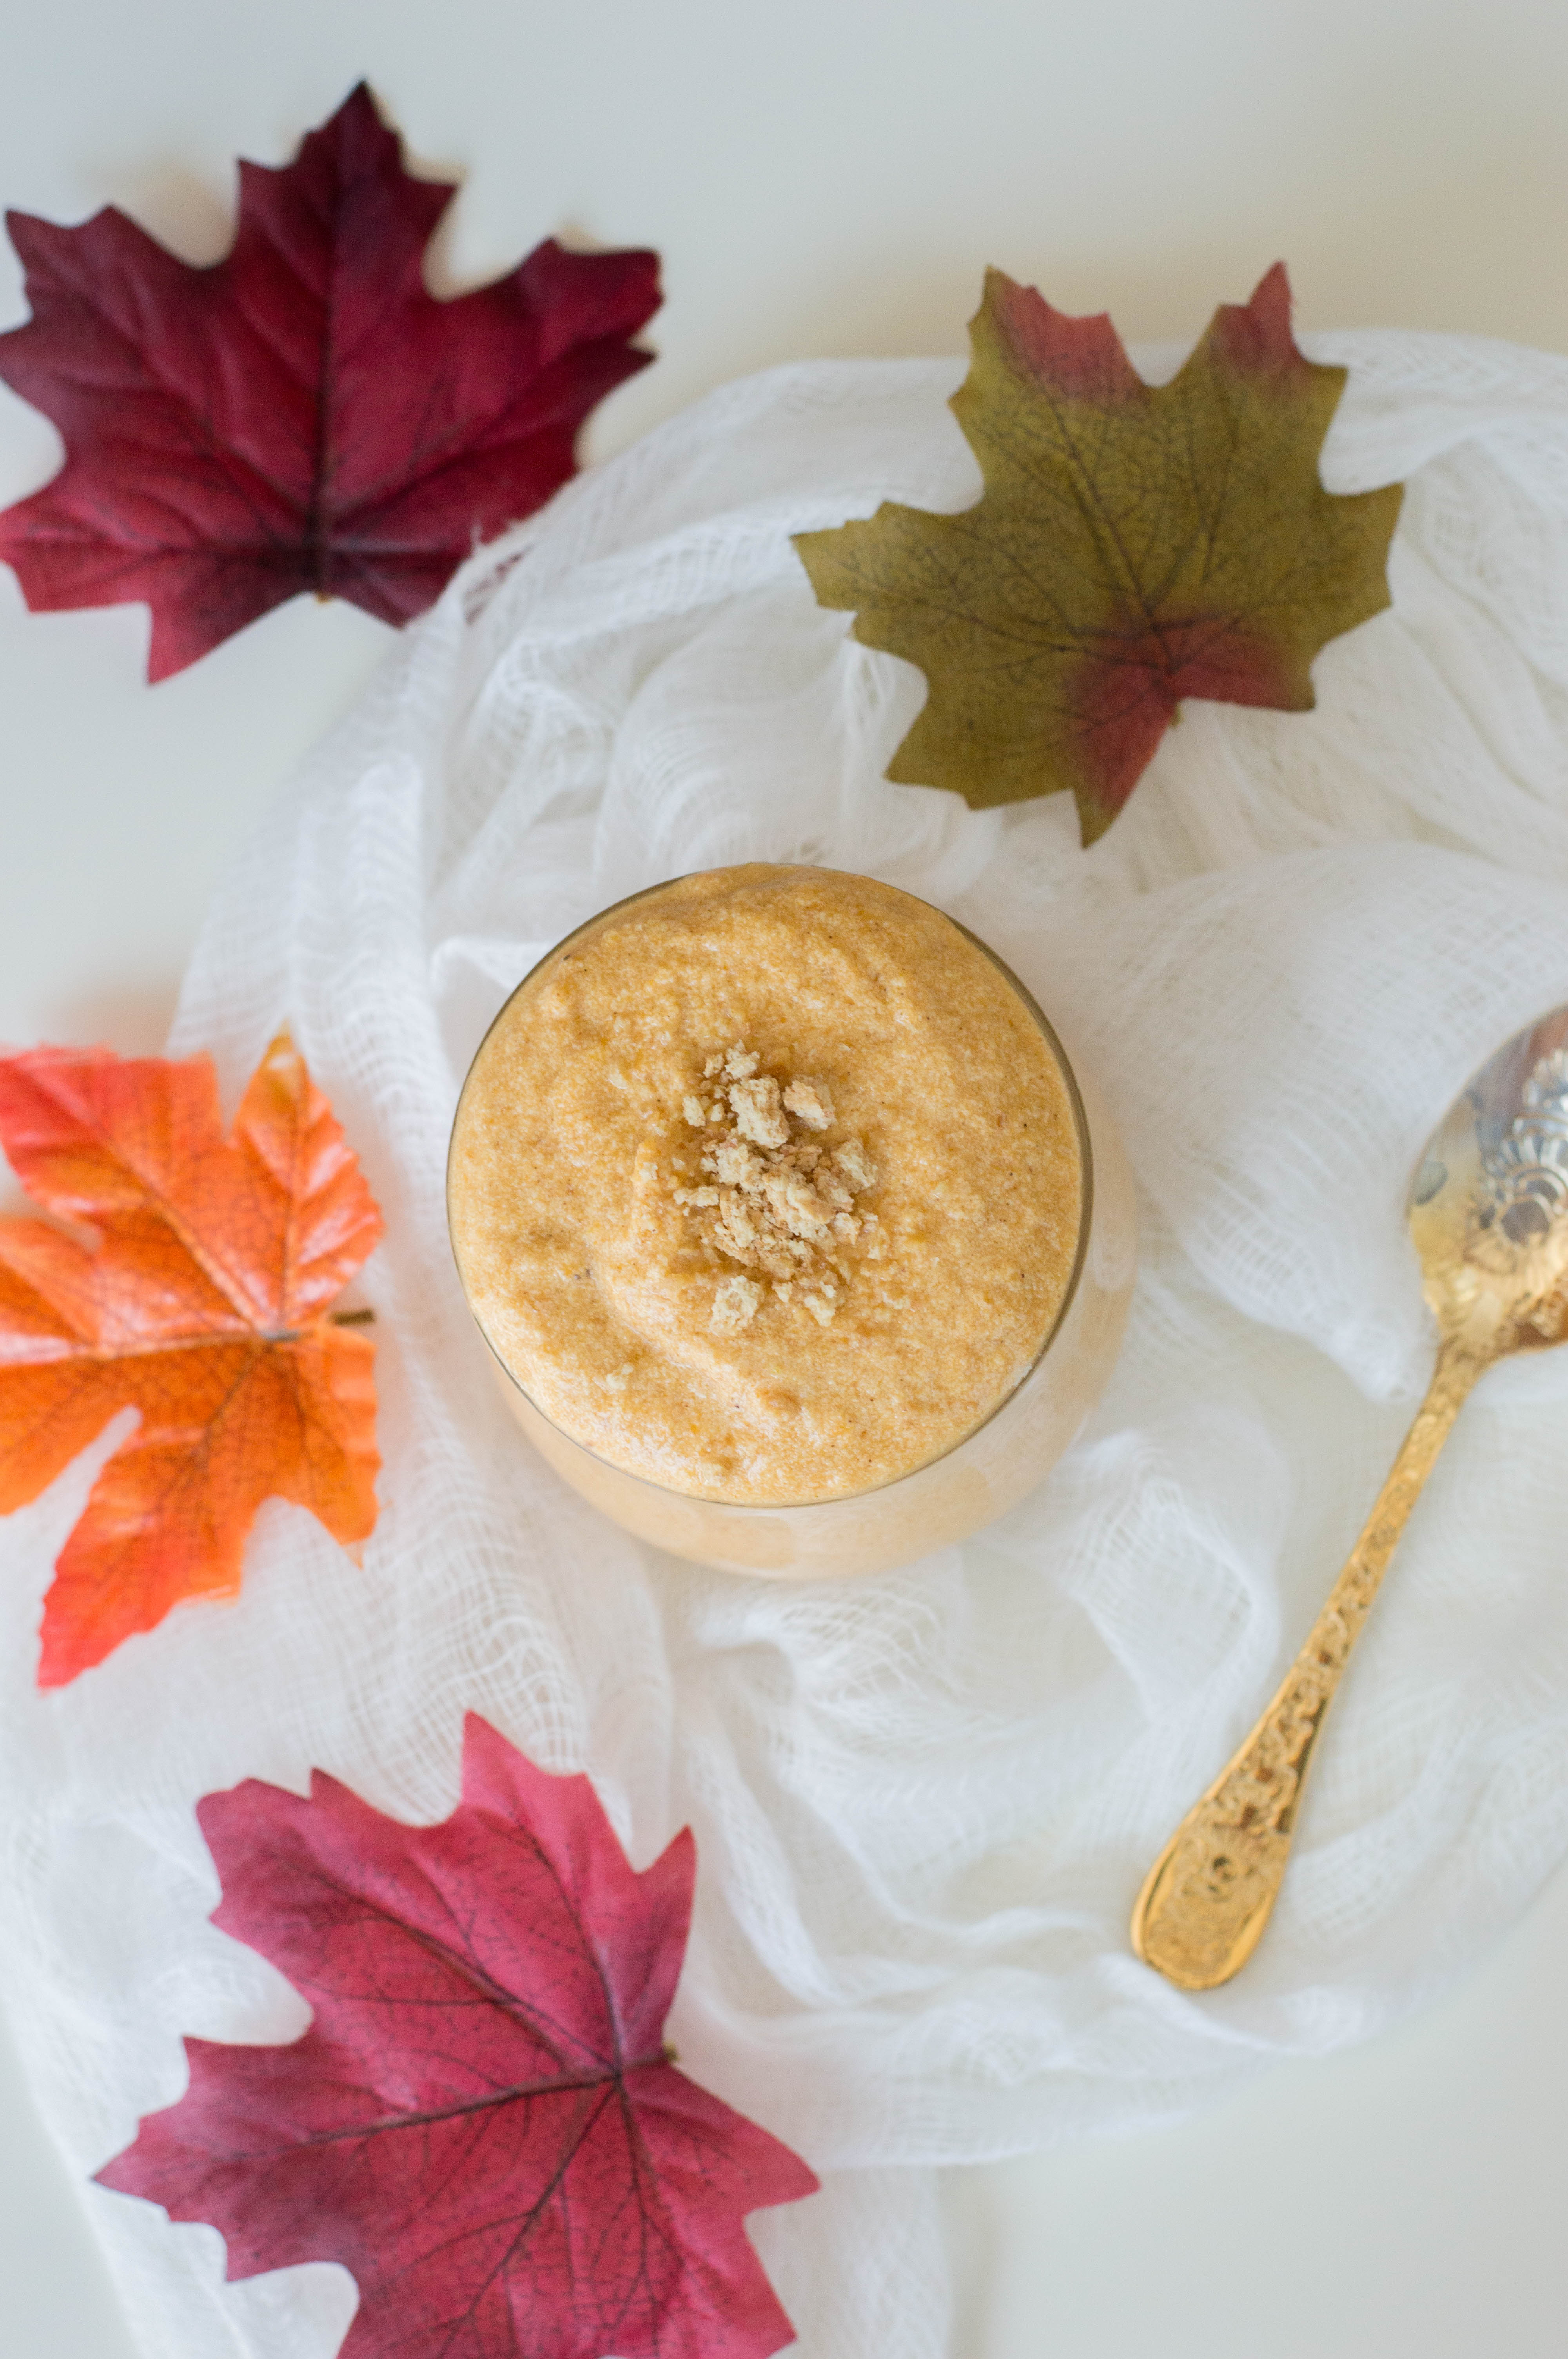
x=987, y=1469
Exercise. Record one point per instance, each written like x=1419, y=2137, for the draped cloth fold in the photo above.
x=922, y=1803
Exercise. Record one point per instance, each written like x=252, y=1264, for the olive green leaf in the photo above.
x=1134, y=545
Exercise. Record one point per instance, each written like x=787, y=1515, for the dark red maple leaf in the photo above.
x=482, y=2123
x=303, y=415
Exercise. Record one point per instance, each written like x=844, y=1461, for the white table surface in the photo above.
x=830, y=177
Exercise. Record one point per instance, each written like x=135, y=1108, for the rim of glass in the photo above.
x=1069, y=1295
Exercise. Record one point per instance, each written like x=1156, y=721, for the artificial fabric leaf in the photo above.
x=204, y=1302
x=303, y=415
x=482, y=2123
x=1134, y=545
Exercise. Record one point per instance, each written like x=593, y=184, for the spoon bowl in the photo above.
x=1489, y=1216
x=1488, y=1206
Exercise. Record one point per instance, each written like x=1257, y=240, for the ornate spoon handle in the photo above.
x=1207, y=1899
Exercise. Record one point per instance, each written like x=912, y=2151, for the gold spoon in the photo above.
x=1488, y=1211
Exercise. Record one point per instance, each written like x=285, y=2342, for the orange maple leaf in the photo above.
x=204, y=1303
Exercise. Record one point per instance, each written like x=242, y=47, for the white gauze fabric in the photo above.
x=922, y=1803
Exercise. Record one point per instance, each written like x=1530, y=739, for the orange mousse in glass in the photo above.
x=774, y=1196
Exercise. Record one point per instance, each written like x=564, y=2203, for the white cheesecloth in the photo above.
x=922, y=1803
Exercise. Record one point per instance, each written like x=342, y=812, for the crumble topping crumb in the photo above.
x=809, y=1100
x=736, y=1165
x=855, y=1165
x=758, y=1114
x=735, y=1305
x=772, y=1199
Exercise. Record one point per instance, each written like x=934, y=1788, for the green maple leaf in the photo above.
x=1134, y=545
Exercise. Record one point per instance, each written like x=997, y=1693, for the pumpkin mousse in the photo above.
x=766, y=1186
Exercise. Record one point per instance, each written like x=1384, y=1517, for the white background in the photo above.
x=832, y=179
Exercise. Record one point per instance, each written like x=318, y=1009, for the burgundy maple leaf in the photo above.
x=482, y=2123
x=303, y=415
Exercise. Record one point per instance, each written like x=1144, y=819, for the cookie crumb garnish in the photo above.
x=810, y=1101
x=775, y=1198
x=735, y=1305
x=758, y=1112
